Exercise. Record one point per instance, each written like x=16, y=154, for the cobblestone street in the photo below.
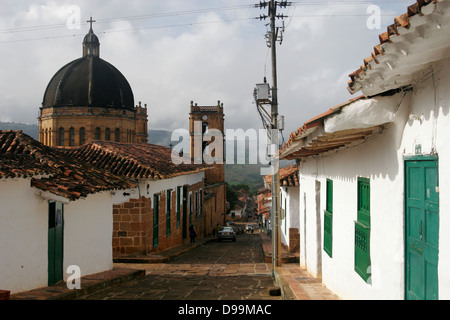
x=214, y=271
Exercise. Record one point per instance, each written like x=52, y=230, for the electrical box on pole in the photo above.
x=263, y=91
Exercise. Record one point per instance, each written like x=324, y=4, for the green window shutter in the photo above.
x=196, y=206
x=328, y=221
x=201, y=203
x=362, y=250
x=190, y=209
x=364, y=201
x=178, y=206
x=362, y=231
x=168, y=211
x=285, y=216
x=330, y=196
x=155, y=220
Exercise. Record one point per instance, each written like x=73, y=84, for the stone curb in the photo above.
x=286, y=292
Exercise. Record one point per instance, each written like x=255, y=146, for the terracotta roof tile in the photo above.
x=51, y=169
x=288, y=177
x=400, y=21
x=315, y=122
x=136, y=161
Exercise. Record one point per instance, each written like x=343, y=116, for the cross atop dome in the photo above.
x=91, y=45
x=91, y=21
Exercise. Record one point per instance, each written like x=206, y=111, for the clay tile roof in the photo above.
x=288, y=177
x=138, y=161
x=314, y=123
x=51, y=169
x=263, y=198
x=400, y=21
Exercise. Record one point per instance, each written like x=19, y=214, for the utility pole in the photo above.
x=273, y=37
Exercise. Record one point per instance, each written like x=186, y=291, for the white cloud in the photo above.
x=172, y=59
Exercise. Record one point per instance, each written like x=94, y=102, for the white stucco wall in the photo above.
x=88, y=227
x=291, y=220
x=23, y=237
x=156, y=186
x=381, y=160
x=431, y=104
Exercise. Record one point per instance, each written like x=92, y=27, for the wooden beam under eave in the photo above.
x=326, y=147
x=360, y=131
x=340, y=141
x=307, y=152
x=337, y=137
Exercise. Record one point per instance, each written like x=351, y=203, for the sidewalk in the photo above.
x=294, y=282
x=98, y=281
x=89, y=284
x=163, y=256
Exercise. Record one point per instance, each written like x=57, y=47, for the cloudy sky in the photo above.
x=176, y=51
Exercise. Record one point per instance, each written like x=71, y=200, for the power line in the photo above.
x=130, y=18
x=188, y=24
x=380, y=2
x=205, y=10
x=186, y=12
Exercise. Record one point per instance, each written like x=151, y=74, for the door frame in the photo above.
x=406, y=159
x=55, y=245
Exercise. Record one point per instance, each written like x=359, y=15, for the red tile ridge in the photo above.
x=399, y=21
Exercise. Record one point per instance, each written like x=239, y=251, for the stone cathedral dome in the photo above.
x=89, y=81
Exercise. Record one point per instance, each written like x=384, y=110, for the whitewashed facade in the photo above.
x=289, y=205
x=400, y=125
x=24, y=234
x=87, y=229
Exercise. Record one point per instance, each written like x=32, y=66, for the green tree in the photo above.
x=231, y=196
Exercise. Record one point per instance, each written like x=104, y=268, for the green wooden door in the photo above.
x=328, y=221
x=184, y=218
x=155, y=221
x=363, y=263
x=422, y=229
x=55, y=242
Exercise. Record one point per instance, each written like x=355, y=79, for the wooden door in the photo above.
x=155, y=221
x=422, y=229
x=55, y=242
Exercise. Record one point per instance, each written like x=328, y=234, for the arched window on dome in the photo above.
x=97, y=134
x=82, y=136
x=117, y=135
x=71, y=137
x=60, y=141
x=108, y=134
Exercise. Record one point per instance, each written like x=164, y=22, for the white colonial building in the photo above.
x=55, y=212
x=374, y=192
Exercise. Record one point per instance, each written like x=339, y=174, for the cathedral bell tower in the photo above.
x=202, y=119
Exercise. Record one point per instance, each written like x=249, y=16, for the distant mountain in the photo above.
x=158, y=137
x=30, y=129
x=234, y=173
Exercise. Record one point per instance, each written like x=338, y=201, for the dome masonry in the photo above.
x=89, y=81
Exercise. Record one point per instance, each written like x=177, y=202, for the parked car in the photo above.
x=226, y=233
x=249, y=228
